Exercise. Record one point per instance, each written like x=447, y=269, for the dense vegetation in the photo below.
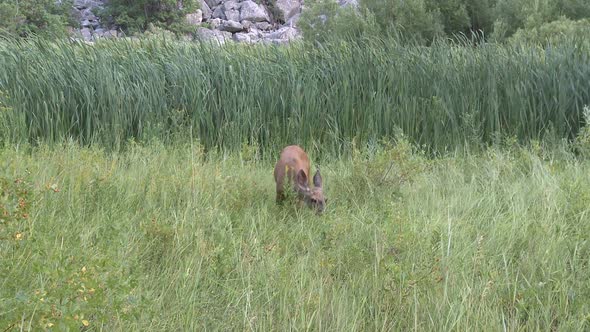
x=136, y=16
x=165, y=238
x=26, y=17
x=426, y=20
x=136, y=189
x=416, y=20
x=440, y=96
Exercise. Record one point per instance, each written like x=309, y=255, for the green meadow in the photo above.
x=136, y=188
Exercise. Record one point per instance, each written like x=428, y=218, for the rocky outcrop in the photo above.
x=251, y=22
x=245, y=21
x=250, y=11
x=90, y=26
x=286, y=9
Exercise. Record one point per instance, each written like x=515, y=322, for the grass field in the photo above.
x=165, y=238
x=136, y=188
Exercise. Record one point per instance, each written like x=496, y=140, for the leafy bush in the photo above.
x=325, y=19
x=27, y=17
x=552, y=32
x=136, y=16
x=425, y=20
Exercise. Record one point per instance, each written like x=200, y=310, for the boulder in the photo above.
x=247, y=25
x=213, y=3
x=250, y=11
x=231, y=26
x=220, y=37
x=283, y=35
x=216, y=22
x=231, y=9
x=242, y=38
x=287, y=9
x=293, y=21
x=194, y=18
x=247, y=37
x=205, y=9
x=264, y=26
x=218, y=13
x=86, y=34
x=82, y=4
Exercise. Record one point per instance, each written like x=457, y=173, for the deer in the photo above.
x=293, y=168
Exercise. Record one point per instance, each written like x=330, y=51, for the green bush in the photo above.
x=325, y=19
x=26, y=17
x=426, y=20
x=553, y=32
x=136, y=16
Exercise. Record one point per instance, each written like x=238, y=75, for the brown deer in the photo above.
x=295, y=167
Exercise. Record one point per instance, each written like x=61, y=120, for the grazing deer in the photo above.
x=294, y=165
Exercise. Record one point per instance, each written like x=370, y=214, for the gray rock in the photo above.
x=250, y=11
x=213, y=3
x=88, y=23
x=86, y=34
x=232, y=15
x=247, y=37
x=287, y=9
x=283, y=35
x=218, y=13
x=216, y=22
x=231, y=26
x=195, y=18
x=265, y=26
x=247, y=25
x=217, y=36
x=293, y=21
x=81, y=4
x=242, y=38
x=88, y=14
x=205, y=9
x=231, y=9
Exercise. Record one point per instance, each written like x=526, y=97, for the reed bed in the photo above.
x=323, y=97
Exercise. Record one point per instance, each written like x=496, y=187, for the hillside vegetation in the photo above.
x=417, y=20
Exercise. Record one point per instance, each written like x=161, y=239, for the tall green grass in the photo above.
x=160, y=238
x=328, y=96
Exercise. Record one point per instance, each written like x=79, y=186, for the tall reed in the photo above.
x=439, y=96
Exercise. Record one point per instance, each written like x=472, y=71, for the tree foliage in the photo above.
x=137, y=15
x=26, y=17
x=426, y=20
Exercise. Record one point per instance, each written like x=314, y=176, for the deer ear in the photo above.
x=301, y=179
x=317, y=179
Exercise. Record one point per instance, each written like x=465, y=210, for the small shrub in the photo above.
x=326, y=20
x=552, y=32
x=136, y=16
x=26, y=17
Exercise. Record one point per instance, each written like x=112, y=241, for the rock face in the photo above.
x=287, y=9
x=91, y=27
x=195, y=18
x=220, y=37
x=205, y=9
x=253, y=12
x=220, y=21
x=231, y=26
